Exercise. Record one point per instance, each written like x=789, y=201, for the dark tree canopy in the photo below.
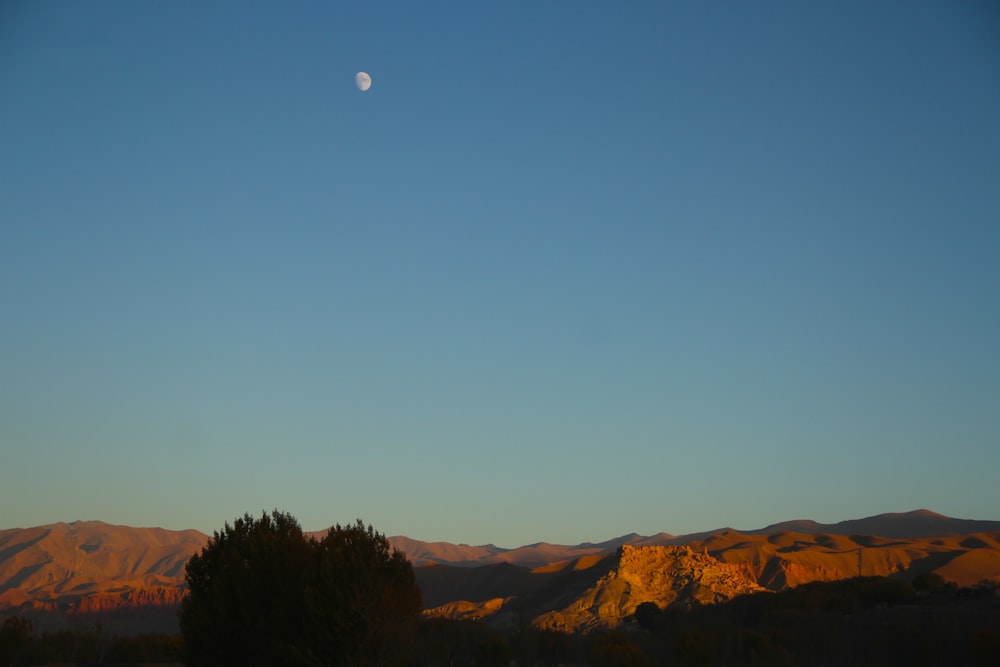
x=363, y=602
x=15, y=638
x=263, y=592
x=648, y=615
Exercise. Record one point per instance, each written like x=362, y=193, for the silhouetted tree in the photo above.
x=697, y=645
x=15, y=638
x=262, y=592
x=363, y=603
x=615, y=649
x=494, y=651
x=245, y=601
x=647, y=615
x=554, y=647
x=931, y=582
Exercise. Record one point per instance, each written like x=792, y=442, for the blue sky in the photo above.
x=566, y=271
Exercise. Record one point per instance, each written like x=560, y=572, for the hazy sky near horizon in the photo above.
x=566, y=271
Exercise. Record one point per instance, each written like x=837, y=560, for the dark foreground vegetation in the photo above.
x=263, y=594
x=863, y=621
x=869, y=621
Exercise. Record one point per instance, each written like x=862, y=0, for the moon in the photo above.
x=362, y=81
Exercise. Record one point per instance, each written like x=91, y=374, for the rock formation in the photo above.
x=666, y=576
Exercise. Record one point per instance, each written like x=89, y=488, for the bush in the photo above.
x=648, y=615
x=261, y=592
x=931, y=582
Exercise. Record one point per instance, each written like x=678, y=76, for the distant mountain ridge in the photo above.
x=133, y=578
x=897, y=525
x=905, y=525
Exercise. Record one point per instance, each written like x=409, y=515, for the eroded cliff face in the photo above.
x=113, y=601
x=666, y=576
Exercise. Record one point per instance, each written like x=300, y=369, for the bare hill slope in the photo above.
x=64, y=570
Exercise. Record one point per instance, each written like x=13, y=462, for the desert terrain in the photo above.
x=132, y=579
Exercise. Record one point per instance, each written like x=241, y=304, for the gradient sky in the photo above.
x=567, y=271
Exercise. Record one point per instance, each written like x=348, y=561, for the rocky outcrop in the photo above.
x=466, y=611
x=665, y=576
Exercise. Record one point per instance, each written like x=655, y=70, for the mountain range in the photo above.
x=132, y=579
